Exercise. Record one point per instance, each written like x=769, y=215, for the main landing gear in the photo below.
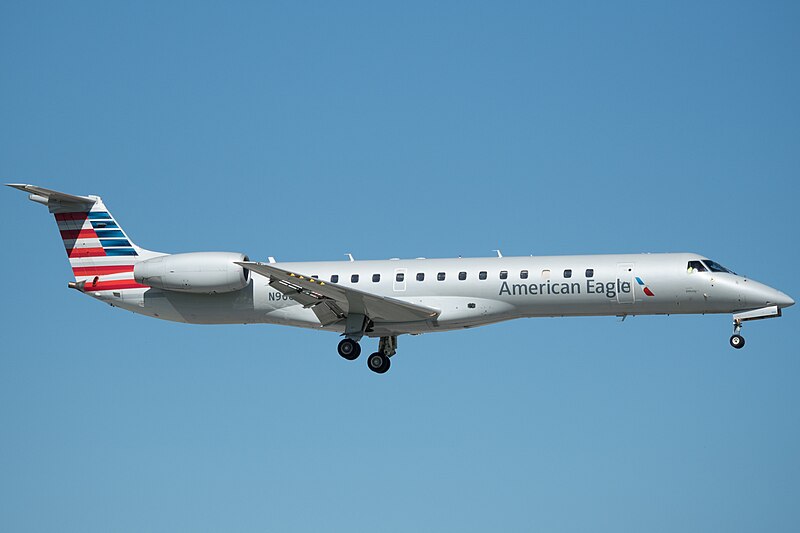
x=379, y=361
x=349, y=349
x=737, y=341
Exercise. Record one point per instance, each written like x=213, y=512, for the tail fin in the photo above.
x=100, y=253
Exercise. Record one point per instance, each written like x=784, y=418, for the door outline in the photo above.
x=625, y=274
x=400, y=286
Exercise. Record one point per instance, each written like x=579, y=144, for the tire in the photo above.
x=737, y=341
x=349, y=349
x=378, y=363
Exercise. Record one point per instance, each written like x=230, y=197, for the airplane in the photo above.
x=385, y=299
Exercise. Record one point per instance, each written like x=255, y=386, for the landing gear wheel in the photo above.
x=378, y=362
x=737, y=341
x=349, y=349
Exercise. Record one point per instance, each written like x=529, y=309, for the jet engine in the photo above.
x=197, y=272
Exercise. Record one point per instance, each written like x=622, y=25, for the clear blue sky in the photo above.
x=401, y=129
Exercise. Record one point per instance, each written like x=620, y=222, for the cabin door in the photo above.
x=399, y=283
x=625, y=283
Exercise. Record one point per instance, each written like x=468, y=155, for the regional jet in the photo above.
x=390, y=298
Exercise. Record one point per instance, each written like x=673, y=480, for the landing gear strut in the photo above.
x=379, y=361
x=737, y=341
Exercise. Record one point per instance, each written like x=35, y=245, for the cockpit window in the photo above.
x=713, y=266
x=696, y=266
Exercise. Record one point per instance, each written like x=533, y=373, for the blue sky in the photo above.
x=306, y=131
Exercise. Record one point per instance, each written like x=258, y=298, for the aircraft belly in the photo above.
x=236, y=307
x=456, y=312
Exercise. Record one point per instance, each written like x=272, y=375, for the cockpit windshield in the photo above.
x=713, y=266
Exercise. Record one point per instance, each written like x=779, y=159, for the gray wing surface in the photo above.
x=332, y=302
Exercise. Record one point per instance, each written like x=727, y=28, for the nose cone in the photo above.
x=783, y=300
x=760, y=295
x=768, y=296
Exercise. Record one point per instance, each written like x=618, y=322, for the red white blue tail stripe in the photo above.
x=99, y=251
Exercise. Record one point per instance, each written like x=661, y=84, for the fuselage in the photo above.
x=471, y=292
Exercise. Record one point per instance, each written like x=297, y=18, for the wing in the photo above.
x=332, y=302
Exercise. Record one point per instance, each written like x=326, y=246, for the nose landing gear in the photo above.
x=772, y=311
x=737, y=341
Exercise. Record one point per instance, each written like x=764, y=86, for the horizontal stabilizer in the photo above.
x=53, y=199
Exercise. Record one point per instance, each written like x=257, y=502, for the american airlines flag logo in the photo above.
x=645, y=288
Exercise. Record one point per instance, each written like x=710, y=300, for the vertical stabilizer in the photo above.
x=100, y=253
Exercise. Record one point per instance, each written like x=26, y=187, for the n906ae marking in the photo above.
x=278, y=297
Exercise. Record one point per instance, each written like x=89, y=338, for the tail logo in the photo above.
x=93, y=234
x=101, y=255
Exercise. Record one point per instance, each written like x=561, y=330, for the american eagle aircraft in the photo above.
x=386, y=299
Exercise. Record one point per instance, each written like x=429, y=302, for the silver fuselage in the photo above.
x=579, y=285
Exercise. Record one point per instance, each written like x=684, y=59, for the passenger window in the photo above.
x=420, y=276
x=315, y=276
x=482, y=274
x=568, y=273
x=589, y=272
x=376, y=278
x=696, y=266
x=400, y=277
x=523, y=274
x=462, y=276
x=335, y=278
x=545, y=273
x=503, y=274
x=354, y=278
x=440, y=276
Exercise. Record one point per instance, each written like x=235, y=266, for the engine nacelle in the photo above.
x=197, y=272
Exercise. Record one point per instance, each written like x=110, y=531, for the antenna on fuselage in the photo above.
x=499, y=253
x=350, y=256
